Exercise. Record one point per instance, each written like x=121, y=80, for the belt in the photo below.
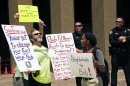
x=86, y=79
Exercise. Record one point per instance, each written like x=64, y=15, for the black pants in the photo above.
x=35, y=83
x=78, y=81
x=120, y=60
x=29, y=81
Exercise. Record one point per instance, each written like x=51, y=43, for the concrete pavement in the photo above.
x=6, y=80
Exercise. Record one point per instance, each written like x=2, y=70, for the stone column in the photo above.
x=62, y=20
x=103, y=19
x=62, y=16
x=13, y=8
x=0, y=65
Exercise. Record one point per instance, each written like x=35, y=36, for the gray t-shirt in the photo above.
x=100, y=56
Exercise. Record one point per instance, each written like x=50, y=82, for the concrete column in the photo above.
x=13, y=8
x=62, y=16
x=103, y=18
x=62, y=20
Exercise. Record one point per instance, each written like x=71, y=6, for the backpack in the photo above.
x=104, y=75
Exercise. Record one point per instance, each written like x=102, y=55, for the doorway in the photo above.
x=123, y=10
x=44, y=14
x=4, y=48
x=82, y=12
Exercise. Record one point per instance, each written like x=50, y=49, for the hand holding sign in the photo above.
x=16, y=18
x=41, y=23
x=83, y=63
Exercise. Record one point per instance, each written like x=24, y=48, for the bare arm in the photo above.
x=79, y=51
x=99, y=66
x=16, y=18
x=41, y=25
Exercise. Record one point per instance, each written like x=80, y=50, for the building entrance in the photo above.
x=82, y=12
x=4, y=48
x=123, y=10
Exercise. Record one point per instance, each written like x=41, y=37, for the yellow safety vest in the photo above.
x=44, y=75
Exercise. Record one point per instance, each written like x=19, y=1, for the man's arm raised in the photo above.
x=16, y=18
x=41, y=25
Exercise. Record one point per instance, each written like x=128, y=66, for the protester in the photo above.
x=119, y=38
x=89, y=42
x=35, y=78
x=19, y=78
x=42, y=77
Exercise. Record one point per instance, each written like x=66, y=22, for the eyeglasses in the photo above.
x=78, y=25
x=37, y=34
x=118, y=21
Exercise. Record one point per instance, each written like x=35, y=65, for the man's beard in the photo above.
x=39, y=40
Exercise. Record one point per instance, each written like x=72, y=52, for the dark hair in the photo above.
x=121, y=18
x=91, y=37
x=81, y=24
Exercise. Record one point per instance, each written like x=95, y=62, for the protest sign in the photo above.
x=21, y=47
x=81, y=65
x=28, y=13
x=59, y=45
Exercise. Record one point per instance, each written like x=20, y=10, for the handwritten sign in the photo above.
x=81, y=65
x=28, y=13
x=21, y=47
x=59, y=45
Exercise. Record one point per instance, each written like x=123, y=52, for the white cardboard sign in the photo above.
x=21, y=47
x=59, y=46
x=81, y=65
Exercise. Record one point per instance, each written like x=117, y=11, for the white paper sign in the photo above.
x=21, y=47
x=81, y=65
x=59, y=46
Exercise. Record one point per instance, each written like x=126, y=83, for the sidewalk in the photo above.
x=121, y=78
x=6, y=80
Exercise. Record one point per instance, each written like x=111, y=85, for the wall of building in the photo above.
x=103, y=19
x=62, y=16
x=13, y=8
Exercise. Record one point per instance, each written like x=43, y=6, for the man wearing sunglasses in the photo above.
x=119, y=50
x=78, y=31
x=43, y=76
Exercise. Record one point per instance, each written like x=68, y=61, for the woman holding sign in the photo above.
x=89, y=42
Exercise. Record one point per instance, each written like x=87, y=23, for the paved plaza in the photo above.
x=6, y=80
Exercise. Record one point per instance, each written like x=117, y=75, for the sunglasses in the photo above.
x=37, y=34
x=78, y=25
x=118, y=21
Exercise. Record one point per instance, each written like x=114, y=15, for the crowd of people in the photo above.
x=85, y=42
x=119, y=39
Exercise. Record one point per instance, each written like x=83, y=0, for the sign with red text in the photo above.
x=28, y=13
x=21, y=47
x=81, y=65
x=59, y=46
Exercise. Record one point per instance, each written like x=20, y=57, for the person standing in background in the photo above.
x=78, y=31
x=119, y=38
